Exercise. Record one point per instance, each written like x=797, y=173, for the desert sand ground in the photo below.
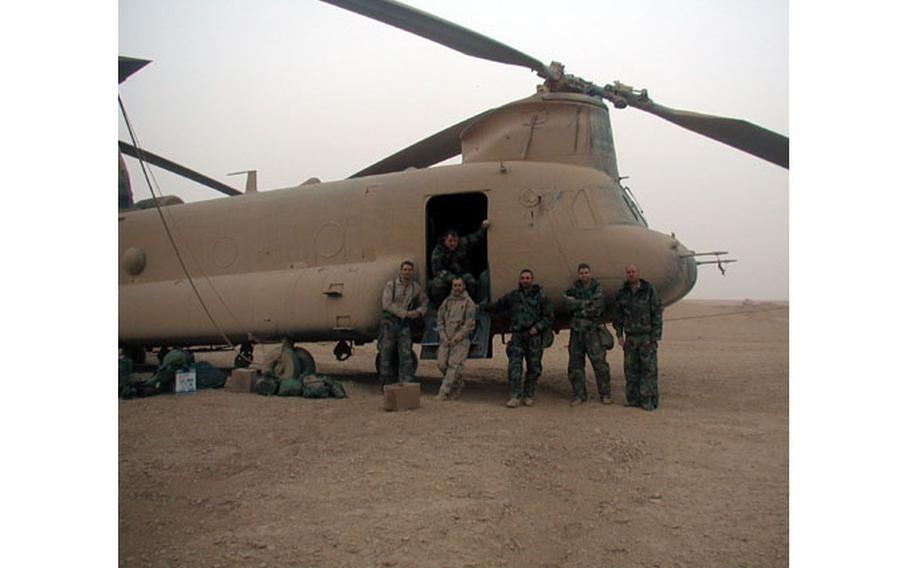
x=224, y=479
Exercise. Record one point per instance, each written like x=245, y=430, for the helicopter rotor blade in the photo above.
x=126, y=66
x=431, y=150
x=176, y=168
x=741, y=134
x=441, y=31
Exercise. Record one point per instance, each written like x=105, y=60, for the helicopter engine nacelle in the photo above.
x=553, y=127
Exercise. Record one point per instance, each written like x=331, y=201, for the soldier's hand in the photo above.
x=533, y=332
x=485, y=224
x=622, y=342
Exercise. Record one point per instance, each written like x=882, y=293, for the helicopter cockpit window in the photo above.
x=632, y=203
x=463, y=212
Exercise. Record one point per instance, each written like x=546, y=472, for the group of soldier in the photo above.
x=637, y=323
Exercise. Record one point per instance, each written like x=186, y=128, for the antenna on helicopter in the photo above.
x=720, y=262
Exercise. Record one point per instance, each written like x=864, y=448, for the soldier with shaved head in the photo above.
x=639, y=325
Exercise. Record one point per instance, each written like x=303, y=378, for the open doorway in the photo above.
x=463, y=212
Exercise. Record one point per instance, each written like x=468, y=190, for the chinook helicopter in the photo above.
x=307, y=263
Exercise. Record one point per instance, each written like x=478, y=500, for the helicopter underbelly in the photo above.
x=310, y=304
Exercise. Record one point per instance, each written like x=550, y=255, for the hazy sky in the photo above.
x=300, y=88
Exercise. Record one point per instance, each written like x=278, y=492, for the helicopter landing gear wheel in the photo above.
x=245, y=357
x=307, y=363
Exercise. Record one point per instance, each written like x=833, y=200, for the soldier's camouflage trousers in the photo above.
x=588, y=343
x=524, y=347
x=640, y=366
x=450, y=360
x=395, y=336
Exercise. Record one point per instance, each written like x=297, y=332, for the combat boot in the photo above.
x=443, y=393
x=513, y=403
x=606, y=400
x=528, y=401
x=576, y=401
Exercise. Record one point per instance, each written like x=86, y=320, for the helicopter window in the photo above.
x=463, y=212
x=633, y=205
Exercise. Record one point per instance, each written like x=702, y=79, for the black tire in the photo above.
x=245, y=357
x=307, y=362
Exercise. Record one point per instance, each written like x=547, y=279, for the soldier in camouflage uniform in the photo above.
x=450, y=260
x=531, y=318
x=585, y=301
x=403, y=302
x=639, y=325
x=455, y=324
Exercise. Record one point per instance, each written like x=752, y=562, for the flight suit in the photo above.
x=587, y=338
x=455, y=324
x=639, y=316
x=527, y=310
x=395, y=328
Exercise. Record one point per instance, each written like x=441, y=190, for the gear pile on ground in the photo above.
x=207, y=376
x=291, y=372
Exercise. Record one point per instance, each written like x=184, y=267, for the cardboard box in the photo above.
x=401, y=396
x=242, y=380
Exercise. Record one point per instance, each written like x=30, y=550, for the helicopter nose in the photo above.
x=687, y=268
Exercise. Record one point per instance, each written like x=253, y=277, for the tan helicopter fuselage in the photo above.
x=309, y=262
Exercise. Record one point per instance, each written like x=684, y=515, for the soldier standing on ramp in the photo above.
x=531, y=318
x=455, y=324
x=403, y=302
x=585, y=301
x=639, y=319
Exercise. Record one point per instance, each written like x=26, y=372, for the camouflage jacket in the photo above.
x=585, y=304
x=638, y=313
x=527, y=310
x=455, y=318
x=398, y=299
x=455, y=261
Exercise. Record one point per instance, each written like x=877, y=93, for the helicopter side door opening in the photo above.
x=464, y=213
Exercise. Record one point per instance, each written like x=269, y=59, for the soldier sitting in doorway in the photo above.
x=450, y=260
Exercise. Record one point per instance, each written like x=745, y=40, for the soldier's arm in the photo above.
x=475, y=238
x=569, y=301
x=436, y=262
x=441, y=316
x=546, y=316
x=501, y=304
x=617, y=317
x=594, y=307
x=657, y=320
x=387, y=302
x=468, y=328
x=422, y=300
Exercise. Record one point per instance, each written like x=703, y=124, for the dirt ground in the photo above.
x=223, y=479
